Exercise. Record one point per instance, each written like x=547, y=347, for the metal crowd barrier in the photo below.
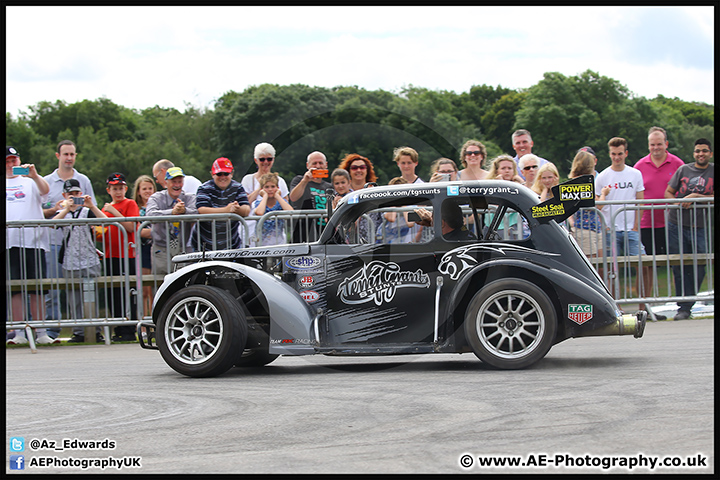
x=99, y=302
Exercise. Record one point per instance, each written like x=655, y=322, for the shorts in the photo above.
x=627, y=243
x=27, y=264
x=590, y=241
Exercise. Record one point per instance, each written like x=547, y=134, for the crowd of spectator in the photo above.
x=70, y=252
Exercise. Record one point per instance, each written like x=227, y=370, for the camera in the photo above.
x=78, y=200
x=444, y=177
x=21, y=170
x=320, y=173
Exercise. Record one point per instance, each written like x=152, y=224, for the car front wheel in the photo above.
x=201, y=331
x=510, y=324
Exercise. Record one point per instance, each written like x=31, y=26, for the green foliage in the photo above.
x=562, y=113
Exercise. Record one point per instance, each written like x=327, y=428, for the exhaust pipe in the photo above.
x=628, y=324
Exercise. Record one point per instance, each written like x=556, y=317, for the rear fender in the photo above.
x=291, y=318
x=562, y=289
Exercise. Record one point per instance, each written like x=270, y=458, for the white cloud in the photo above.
x=142, y=56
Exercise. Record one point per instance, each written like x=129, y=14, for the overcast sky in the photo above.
x=140, y=57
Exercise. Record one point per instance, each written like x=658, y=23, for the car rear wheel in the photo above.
x=201, y=331
x=510, y=324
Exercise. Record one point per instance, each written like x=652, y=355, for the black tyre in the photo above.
x=255, y=358
x=201, y=330
x=510, y=324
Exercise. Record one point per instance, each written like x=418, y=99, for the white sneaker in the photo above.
x=17, y=341
x=46, y=340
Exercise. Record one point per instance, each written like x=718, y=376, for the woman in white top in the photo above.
x=472, y=156
x=264, y=156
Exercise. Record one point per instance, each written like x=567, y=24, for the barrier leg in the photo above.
x=30, y=335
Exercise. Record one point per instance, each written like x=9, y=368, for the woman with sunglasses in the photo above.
x=360, y=169
x=472, y=156
x=528, y=165
x=264, y=157
x=361, y=173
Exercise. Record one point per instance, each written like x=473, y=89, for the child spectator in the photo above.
x=340, y=179
x=270, y=199
x=114, y=243
x=397, y=227
x=78, y=256
x=143, y=188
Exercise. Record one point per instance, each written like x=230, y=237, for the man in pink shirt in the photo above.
x=657, y=169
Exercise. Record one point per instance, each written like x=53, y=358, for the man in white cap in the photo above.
x=170, y=240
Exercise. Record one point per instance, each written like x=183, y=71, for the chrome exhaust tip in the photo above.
x=626, y=324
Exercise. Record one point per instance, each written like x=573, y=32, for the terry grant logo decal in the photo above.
x=378, y=281
x=580, y=313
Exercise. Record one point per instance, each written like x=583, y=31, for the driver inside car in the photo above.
x=453, y=227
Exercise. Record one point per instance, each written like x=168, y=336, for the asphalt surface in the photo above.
x=590, y=402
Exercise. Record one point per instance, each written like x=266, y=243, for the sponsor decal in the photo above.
x=378, y=281
x=306, y=281
x=576, y=192
x=547, y=210
x=310, y=296
x=453, y=190
x=464, y=190
x=304, y=263
x=291, y=341
x=580, y=313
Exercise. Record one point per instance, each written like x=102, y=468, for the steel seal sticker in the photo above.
x=580, y=313
x=378, y=281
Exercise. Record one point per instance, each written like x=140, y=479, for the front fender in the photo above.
x=291, y=318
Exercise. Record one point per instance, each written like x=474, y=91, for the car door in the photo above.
x=379, y=293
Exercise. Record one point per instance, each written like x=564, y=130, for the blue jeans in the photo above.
x=626, y=243
x=693, y=241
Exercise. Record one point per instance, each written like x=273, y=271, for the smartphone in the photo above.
x=445, y=177
x=21, y=170
x=320, y=173
x=78, y=200
x=414, y=217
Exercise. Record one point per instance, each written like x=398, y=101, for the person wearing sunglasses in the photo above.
x=307, y=192
x=222, y=194
x=264, y=157
x=472, y=156
x=528, y=165
x=361, y=170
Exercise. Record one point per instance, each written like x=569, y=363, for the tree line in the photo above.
x=563, y=113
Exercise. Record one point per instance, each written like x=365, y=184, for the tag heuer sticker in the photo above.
x=580, y=313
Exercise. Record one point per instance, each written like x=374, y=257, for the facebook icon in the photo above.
x=17, y=462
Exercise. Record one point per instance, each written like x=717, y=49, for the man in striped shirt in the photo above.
x=222, y=194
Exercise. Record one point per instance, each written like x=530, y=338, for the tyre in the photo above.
x=510, y=324
x=201, y=330
x=255, y=358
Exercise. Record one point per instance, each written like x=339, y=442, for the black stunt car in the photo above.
x=447, y=267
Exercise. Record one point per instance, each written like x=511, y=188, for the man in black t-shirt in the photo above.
x=307, y=192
